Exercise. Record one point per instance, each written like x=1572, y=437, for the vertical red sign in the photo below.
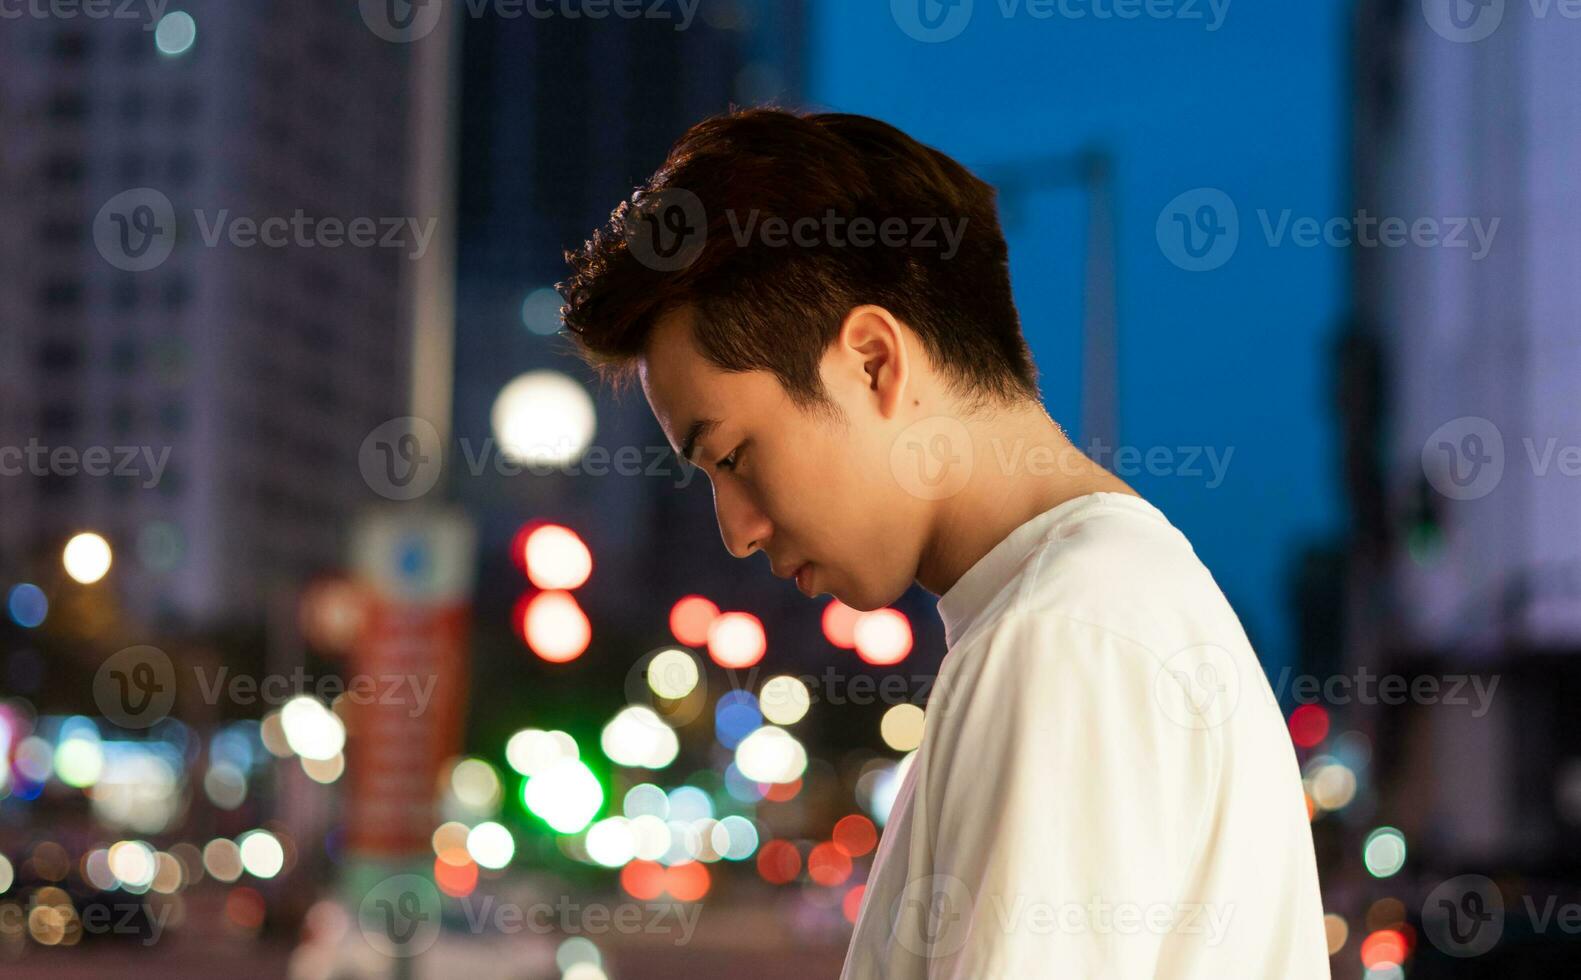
x=408, y=690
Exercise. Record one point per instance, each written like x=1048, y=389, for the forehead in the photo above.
x=680, y=383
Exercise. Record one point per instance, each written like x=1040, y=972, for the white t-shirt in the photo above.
x=1105, y=785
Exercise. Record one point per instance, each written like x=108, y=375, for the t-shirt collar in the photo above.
x=964, y=601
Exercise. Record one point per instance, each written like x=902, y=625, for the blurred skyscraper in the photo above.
x=1470, y=132
x=1467, y=129
x=144, y=313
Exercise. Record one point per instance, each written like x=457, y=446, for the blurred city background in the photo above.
x=351, y=630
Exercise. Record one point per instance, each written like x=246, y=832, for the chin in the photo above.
x=866, y=599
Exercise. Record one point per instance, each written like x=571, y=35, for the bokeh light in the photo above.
x=87, y=557
x=784, y=700
x=543, y=418
x=554, y=626
x=566, y=796
x=736, y=640
x=673, y=673
x=555, y=557
x=690, y=618
x=883, y=637
x=1384, y=852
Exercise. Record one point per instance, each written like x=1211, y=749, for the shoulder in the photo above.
x=1117, y=568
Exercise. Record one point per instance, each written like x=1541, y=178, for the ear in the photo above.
x=875, y=342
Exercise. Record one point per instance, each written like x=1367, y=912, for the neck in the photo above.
x=1022, y=466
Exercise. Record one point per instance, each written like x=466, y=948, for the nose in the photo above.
x=742, y=525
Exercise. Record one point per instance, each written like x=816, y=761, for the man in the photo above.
x=819, y=311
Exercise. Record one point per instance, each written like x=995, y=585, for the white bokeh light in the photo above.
x=543, y=418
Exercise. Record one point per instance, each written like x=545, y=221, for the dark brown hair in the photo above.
x=777, y=306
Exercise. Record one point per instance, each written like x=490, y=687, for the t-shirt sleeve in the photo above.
x=1068, y=794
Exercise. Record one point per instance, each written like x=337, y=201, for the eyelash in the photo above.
x=729, y=462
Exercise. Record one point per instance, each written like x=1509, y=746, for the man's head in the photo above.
x=794, y=292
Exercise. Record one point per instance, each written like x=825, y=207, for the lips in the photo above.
x=803, y=578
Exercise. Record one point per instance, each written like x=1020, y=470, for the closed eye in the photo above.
x=729, y=462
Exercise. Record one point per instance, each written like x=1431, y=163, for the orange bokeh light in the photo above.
x=455, y=880
x=643, y=880
x=839, y=624
x=687, y=881
x=690, y=618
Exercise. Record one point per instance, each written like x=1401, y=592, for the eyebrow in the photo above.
x=694, y=432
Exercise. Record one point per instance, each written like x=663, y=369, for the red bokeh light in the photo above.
x=245, y=907
x=855, y=835
x=779, y=792
x=1308, y=725
x=779, y=862
x=851, y=904
x=828, y=865
x=1384, y=947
